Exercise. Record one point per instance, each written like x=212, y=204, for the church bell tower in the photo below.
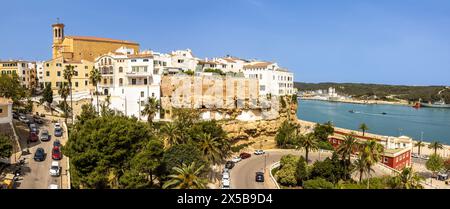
x=58, y=37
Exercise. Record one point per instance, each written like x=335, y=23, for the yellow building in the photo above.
x=80, y=52
x=26, y=71
x=5, y=110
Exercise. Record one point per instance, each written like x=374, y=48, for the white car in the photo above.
x=53, y=186
x=225, y=184
x=236, y=159
x=414, y=155
x=55, y=170
x=225, y=176
x=57, y=125
x=23, y=119
x=259, y=152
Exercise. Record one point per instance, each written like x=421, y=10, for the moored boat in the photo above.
x=440, y=104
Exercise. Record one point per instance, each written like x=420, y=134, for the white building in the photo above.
x=183, y=60
x=129, y=79
x=273, y=80
x=40, y=74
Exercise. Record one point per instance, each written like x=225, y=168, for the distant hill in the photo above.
x=384, y=92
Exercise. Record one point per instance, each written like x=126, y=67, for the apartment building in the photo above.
x=273, y=79
x=129, y=78
x=25, y=71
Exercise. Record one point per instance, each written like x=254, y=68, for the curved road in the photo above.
x=243, y=174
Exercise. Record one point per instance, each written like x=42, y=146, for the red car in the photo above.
x=245, y=155
x=56, y=153
x=34, y=136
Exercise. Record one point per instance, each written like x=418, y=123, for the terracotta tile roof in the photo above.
x=258, y=65
x=202, y=62
x=4, y=100
x=91, y=38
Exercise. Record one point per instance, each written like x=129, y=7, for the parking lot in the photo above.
x=36, y=174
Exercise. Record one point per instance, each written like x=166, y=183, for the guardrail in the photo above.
x=273, y=166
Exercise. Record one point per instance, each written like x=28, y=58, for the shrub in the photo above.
x=286, y=175
x=318, y=183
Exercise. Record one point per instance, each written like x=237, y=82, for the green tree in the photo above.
x=371, y=152
x=286, y=134
x=171, y=134
x=360, y=165
x=345, y=150
x=100, y=145
x=150, y=109
x=301, y=172
x=210, y=148
x=5, y=146
x=95, y=78
x=435, y=146
x=407, y=179
x=419, y=144
x=435, y=164
x=287, y=175
x=47, y=97
x=149, y=160
x=10, y=87
x=447, y=165
x=64, y=92
x=87, y=113
x=323, y=131
x=318, y=183
x=183, y=153
x=329, y=169
x=308, y=142
x=186, y=177
x=68, y=73
x=363, y=127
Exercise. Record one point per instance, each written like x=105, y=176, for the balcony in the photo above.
x=138, y=74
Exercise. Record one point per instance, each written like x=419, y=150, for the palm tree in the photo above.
x=407, y=179
x=419, y=144
x=210, y=147
x=363, y=127
x=63, y=91
x=69, y=72
x=308, y=142
x=171, y=133
x=360, y=166
x=435, y=146
x=150, y=108
x=371, y=152
x=186, y=177
x=346, y=148
x=95, y=78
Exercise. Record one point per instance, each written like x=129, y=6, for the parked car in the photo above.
x=442, y=176
x=57, y=125
x=245, y=155
x=225, y=176
x=24, y=119
x=236, y=159
x=414, y=155
x=425, y=157
x=259, y=177
x=225, y=184
x=34, y=136
x=55, y=170
x=259, y=152
x=229, y=164
x=56, y=153
x=38, y=119
x=45, y=136
x=33, y=128
x=57, y=143
x=53, y=186
x=39, y=155
x=58, y=132
x=15, y=115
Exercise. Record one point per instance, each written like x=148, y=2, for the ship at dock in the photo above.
x=439, y=104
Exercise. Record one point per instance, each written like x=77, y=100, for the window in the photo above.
x=86, y=67
x=47, y=73
x=105, y=81
x=111, y=81
x=142, y=94
x=86, y=75
x=262, y=87
x=142, y=103
x=75, y=73
x=145, y=60
x=1, y=110
x=153, y=94
x=260, y=76
x=133, y=60
x=180, y=61
x=120, y=69
x=120, y=81
x=385, y=159
x=85, y=83
x=155, y=71
x=48, y=65
x=58, y=73
x=145, y=81
x=133, y=81
x=76, y=84
x=58, y=84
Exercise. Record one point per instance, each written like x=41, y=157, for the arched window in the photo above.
x=56, y=33
x=109, y=61
x=120, y=81
x=111, y=69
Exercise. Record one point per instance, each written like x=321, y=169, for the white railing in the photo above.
x=273, y=166
x=66, y=135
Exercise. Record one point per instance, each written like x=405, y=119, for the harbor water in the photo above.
x=429, y=124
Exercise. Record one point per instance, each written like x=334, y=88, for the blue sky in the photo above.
x=378, y=41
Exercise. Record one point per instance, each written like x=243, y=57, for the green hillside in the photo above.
x=384, y=92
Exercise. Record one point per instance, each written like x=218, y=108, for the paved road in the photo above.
x=36, y=174
x=243, y=174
